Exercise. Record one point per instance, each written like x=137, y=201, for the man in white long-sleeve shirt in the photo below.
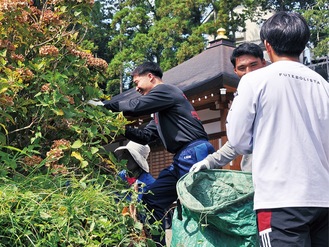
x=281, y=114
x=246, y=58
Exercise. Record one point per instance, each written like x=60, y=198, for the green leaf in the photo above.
x=13, y=148
x=3, y=53
x=58, y=112
x=77, y=13
x=9, y=117
x=38, y=94
x=94, y=150
x=37, y=136
x=44, y=215
x=77, y=144
x=84, y=164
x=92, y=226
x=3, y=139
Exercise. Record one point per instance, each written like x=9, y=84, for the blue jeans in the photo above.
x=164, y=188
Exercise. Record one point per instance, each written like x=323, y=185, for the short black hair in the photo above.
x=148, y=67
x=287, y=33
x=247, y=49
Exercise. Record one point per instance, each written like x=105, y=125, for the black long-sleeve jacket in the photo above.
x=175, y=120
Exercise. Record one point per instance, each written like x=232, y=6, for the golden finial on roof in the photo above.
x=221, y=33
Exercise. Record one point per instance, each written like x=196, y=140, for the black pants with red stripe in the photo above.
x=293, y=227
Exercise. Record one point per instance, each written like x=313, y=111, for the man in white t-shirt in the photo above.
x=281, y=114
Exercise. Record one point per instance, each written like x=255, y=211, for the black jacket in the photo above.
x=175, y=120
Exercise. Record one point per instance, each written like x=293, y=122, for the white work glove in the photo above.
x=95, y=102
x=201, y=165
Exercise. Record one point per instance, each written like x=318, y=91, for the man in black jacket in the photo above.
x=175, y=122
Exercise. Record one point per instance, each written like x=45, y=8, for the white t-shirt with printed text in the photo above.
x=281, y=115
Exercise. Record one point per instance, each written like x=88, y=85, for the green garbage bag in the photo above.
x=216, y=210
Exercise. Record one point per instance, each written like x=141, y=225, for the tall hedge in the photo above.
x=58, y=186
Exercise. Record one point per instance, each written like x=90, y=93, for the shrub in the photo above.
x=58, y=184
x=42, y=211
